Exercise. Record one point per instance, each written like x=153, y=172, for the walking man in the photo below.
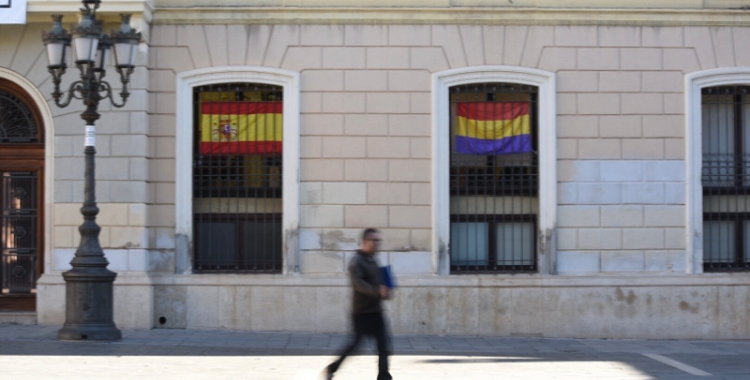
x=367, y=310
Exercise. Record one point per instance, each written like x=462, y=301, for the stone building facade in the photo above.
x=618, y=226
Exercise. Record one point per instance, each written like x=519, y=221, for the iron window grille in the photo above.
x=493, y=185
x=726, y=178
x=237, y=178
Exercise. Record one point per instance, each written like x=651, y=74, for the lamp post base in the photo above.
x=89, y=306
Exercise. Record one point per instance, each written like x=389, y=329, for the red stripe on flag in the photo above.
x=492, y=110
x=241, y=147
x=240, y=108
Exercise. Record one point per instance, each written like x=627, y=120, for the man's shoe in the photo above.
x=327, y=373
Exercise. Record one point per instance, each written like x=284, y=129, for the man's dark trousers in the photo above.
x=371, y=324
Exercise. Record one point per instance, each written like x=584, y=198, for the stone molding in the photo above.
x=39, y=10
x=186, y=81
x=694, y=83
x=441, y=83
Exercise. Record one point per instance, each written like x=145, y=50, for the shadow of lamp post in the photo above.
x=88, y=285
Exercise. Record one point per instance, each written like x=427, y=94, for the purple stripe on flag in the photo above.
x=508, y=145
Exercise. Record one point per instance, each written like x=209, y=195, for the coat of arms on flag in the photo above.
x=493, y=128
x=241, y=127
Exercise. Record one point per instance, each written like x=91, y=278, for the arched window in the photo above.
x=237, y=177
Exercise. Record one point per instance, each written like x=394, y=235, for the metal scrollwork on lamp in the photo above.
x=89, y=284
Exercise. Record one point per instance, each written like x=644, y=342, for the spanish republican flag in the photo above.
x=231, y=127
x=493, y=128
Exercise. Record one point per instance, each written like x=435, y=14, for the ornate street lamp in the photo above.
x=88, y=285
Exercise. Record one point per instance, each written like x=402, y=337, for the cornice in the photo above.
x=453, y=15
x=39, y=10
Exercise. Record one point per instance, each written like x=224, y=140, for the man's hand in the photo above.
x=385, y=293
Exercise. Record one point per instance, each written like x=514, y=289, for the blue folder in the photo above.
x=387, y=275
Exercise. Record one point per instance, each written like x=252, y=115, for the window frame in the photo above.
x=546, y=83
x=184, y=136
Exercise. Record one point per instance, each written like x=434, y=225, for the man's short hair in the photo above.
x=369, y=232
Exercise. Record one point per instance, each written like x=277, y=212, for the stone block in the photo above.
x=599, y=148
x=161, y=80
x=471, y=36
x=321, y=124
x=162, y=102
x=665, y=216
x=620, y=81
x=700, y=39
x=365, y=125
x=740, y=38
x=341, y=239
x=113, y=214
x=68, y=169
x=137, y=215
x=577, y=171
x=667, y=171
x=194, y=37
x=577, y=126
x=366, y=80
x=640, y=59
x=623, y=261
x=161, y=170
x=663, y=126
x=387, y=102
x=165, y=35
x=129, y=145
x=409, y=35
x=421, y=102
x=410, y=216
x=311, y=147
x=161, y=125
x=409, y=170
x=388, y=147
x=344, y=102
x=138, y=260
x=599, y=103
x=323, y=263
x=674, y=149
x=643, y=193
x=282, y=36
x=622, y=216
x=387, y=58
x=567, y=239
x=449, y=37
x=366, y=170
x=217, y=34
x=661, y=36
x=675, y=193
x=675, y=238
x=161, y=261
x=344, y=57
x=685, y=60
x=577, y=81
x=309, y=239
x=567, y=104
x=621, y=171
x=129, y=237
x=620, y=126
x=567, y=193
x=556, y=58
x=237, y=45
x=572, y=262
x=366, y=35
x=539, y=37
x=258, y=38
x=643, y=238
x=311, y=193
x=335, y=147
x=331, y=308
x=409, y=125
x=665, y=261
x=164, y=146
x=567, y=148
x=411, y=262
x=462, y=315
x=431, y=59
x=598, y=58
x=578, y=216
x=599, y=193
x=576, y=36
x=514, y=44
x=64, y=236
x=420, y=147
x=412, y=80
x=619, y=36
x=271, y=300
x=643, y=148
x=322, y=35
x=421, y=194
x=321, y=216
x=639, y=104
x=663, y=81
x=344, y=193
x=322, y=80
x=165, y=193
x=493, y=37
x=311, y=102
x=379, y=193
x=365, y=216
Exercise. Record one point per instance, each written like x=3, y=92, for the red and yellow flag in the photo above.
x=232, y=127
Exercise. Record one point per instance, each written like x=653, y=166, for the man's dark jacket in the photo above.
x=365, y=276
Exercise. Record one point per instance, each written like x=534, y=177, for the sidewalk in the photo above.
x=31, y=352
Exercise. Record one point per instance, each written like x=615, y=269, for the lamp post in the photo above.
x=88, y=285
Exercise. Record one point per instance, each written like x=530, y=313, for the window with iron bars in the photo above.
x=237, y=178
x=726, y=178
x=493, y=178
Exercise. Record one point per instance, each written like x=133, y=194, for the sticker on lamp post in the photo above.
x=90, y=136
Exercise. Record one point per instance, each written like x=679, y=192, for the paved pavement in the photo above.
x=31, y=352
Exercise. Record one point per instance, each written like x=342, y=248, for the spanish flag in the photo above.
x=240, y=127
x=493, y=128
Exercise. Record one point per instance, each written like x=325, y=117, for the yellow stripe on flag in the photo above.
x=253, y=127
x=493, y=129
